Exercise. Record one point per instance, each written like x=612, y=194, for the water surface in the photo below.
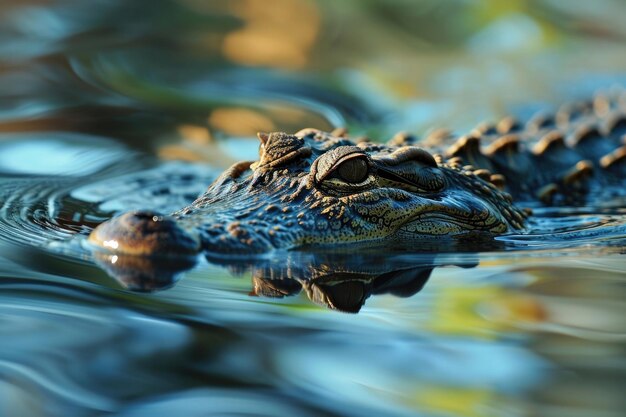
x=109, y=106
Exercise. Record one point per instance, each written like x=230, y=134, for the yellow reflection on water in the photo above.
x=196, y=134
x=180, y=153
x=277, y=36
x=240, y=121
x=455, y=401
x=194, y=143
x=483, y=311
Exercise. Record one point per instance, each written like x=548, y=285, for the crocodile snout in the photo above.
x=144, y=233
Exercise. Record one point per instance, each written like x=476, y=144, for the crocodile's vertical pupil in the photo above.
x=353, y=170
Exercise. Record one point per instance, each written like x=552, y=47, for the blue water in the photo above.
x=109, y=106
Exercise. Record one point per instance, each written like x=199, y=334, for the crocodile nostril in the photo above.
x=146, y=215
x=144, y=233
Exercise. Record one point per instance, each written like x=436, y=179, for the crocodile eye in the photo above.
x=343, y=170
x=354, y=170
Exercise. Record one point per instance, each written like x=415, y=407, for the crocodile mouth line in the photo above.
x=442, y=219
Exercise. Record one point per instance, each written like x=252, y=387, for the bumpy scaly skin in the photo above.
x=317, y=188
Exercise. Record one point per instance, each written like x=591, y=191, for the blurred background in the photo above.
x=100, y=99
x=173, y=76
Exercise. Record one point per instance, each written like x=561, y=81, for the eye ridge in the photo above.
x=343, y=170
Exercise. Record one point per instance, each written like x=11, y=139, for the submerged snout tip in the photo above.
x=144, y=233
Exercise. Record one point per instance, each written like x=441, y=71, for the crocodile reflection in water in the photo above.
x=338, y=281
x=343, y=289
x=314, y=188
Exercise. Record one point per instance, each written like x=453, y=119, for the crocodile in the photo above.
x=315, y=188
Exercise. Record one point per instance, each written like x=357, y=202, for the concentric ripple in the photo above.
x=81, y=182
x=565, y=228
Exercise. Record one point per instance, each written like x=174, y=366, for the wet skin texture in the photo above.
x=315, y=188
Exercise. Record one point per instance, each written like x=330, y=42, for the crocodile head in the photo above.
x=315, y=188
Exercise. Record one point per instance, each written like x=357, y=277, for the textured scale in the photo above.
x=317, y=188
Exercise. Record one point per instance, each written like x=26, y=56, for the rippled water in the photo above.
x=110, y=106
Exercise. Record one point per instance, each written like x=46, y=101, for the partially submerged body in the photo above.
x=315, y=188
